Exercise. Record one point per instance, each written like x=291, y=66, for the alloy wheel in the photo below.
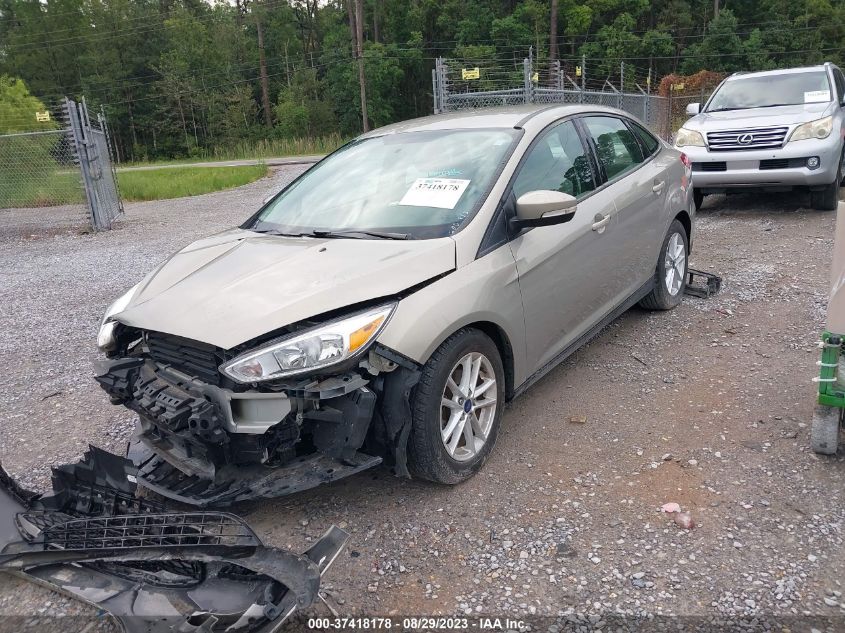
x=468, y=406
x=675, y=264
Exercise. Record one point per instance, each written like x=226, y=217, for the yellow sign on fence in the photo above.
x=577, y=71
x=42, y=117
x=677, y=87
x=470, y=73
x=535, y=77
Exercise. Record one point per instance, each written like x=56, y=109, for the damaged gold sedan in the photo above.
x=386, y=304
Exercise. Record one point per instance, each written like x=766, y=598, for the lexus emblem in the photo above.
x=745, y=139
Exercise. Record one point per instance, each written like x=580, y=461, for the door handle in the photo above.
x=601, y=221
x=658, y=187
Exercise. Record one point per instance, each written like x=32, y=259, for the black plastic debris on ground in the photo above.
x=156, y=571
x=701, y=284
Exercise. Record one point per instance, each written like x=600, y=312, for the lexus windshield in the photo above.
x=769, y=91
x=413, y=185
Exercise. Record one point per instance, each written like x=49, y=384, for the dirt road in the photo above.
x=708, y=406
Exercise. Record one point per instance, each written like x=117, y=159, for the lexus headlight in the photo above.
x=310, y=350
x=688, y=138
x=105, y=338
x=820, y=128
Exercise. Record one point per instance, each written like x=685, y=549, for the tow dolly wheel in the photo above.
x=824, y=435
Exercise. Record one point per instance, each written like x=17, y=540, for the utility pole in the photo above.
x=262, y=64
x=715, y=9
x=356, y=26
x=553, y=33
x=359, y=36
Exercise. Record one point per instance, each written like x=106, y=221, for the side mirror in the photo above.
x=693, y=108
x=543, y=208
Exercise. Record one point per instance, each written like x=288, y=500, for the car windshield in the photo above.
x=412, y=185
x=771, y=90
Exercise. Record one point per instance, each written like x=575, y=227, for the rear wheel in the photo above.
x=457, y=408
x=670, y=277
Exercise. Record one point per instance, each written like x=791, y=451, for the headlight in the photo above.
x=105, y=338
x=820, y=128
x=313, y=349
x=688, y=138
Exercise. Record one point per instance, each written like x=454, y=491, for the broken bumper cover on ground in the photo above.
x=155, y=571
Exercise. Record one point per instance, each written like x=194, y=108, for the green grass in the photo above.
x=178, y=182
x=268, y=148
x=48, y=189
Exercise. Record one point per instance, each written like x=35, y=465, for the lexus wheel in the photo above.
x=457, y=408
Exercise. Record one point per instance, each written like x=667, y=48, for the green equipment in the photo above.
x=828, y=414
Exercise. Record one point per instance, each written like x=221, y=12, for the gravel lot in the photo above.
x=708, y=406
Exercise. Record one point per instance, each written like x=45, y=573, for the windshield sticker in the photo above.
x=442, y=193
x=817, y=96
x=445, y=173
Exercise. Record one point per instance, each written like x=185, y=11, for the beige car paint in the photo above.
x=242, y=285
x=239, y=285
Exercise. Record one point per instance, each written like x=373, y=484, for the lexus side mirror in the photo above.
x=543, y=208
x=693, y=108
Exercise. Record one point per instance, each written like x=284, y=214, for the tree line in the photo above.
x=179, y=77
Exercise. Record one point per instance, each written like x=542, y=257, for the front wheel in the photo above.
x=670, y=277
x=457, y=408
x=827, y=198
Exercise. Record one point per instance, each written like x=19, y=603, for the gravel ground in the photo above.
x=708, y=406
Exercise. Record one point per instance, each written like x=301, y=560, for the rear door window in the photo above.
x=617, y=149
x=647, y=140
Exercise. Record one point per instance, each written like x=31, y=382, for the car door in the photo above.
x=562, y=268
x=638, y=185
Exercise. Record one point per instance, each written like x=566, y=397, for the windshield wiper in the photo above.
x=360, y=234
x=282, y=233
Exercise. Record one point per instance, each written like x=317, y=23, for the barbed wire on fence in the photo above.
x=460, y=84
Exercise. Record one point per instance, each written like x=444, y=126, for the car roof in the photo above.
x=775, y=73
x=508, y=117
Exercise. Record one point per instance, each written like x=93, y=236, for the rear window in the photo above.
x=646, y=138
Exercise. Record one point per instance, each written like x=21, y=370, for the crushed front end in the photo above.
x=207, y=439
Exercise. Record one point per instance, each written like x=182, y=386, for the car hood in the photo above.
x=757, y=117
x=236, y=286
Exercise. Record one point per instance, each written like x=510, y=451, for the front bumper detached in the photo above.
x=208, y=446
x=155, y=571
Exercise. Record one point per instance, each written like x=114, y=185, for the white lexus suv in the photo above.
x=777, y=130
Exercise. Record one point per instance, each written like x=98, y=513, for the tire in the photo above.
x=824, y=434
x=661, y=298
x=428, y=455
x=697, y=198
x=827, y=198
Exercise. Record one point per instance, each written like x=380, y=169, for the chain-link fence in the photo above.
x=65, y=174
x=467, y=84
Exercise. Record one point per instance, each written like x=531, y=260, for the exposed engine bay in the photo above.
x=206, y=440
x=156, y=571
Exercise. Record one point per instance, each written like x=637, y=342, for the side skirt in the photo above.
x=587, y=336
